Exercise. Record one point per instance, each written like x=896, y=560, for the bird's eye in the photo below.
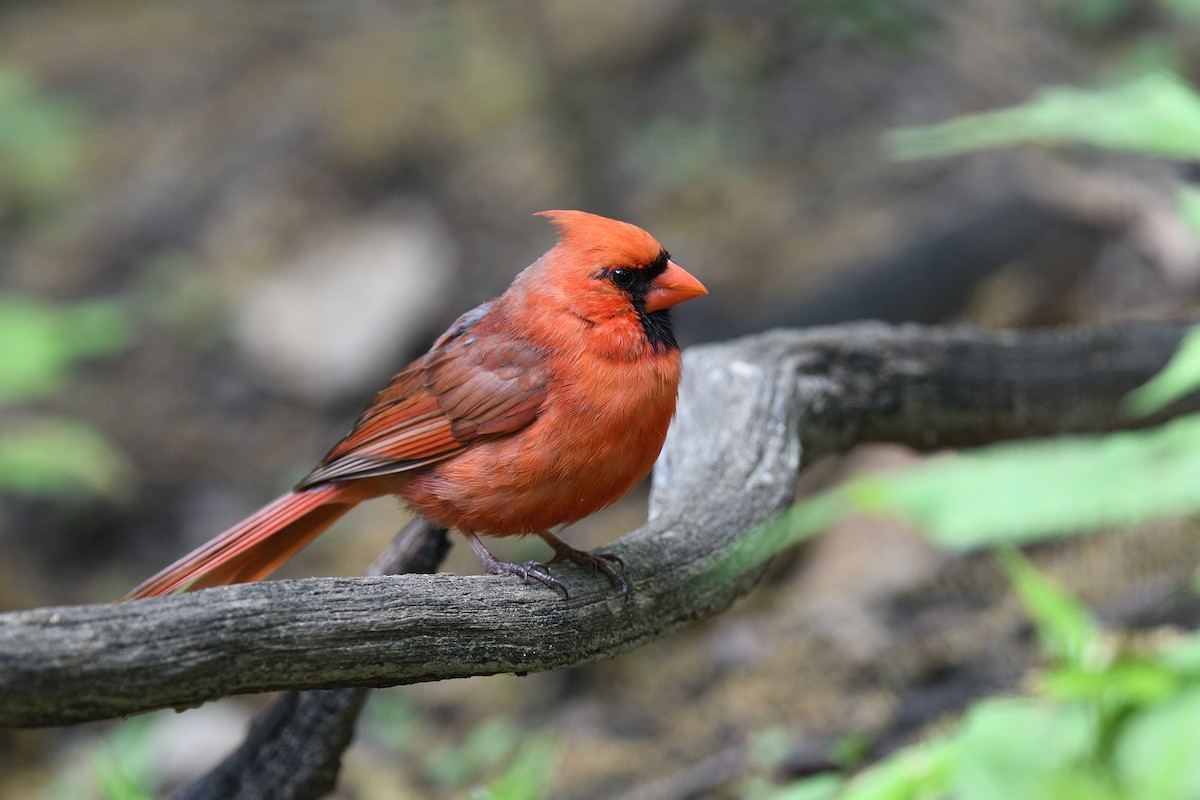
x=623, y=278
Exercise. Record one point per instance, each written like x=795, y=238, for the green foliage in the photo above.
x=392, y=721
x=849, y=750
x=41, y=140
x=900, y=24
x=1156, y=753
x=1130, y=682
x=1028, y=492
x=1149, y=53
x=528, y=776
x=58, y=458
x=1069, y=633
x=767, y=753
x=1022, y=747
x=115, y=784
x=487, y=746
x=1185, y=10
x=1011, y=493
x=818, y=787
x=916, y=773
x=1157, y=114
x=1093, y=15
x=1105, y=725
x=120, y=766
x=42, y=342
x=1178, y=379
x=769, y=748
x=1188, y=199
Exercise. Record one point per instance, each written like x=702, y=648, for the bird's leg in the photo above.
x=527, y=570
x=601, y=561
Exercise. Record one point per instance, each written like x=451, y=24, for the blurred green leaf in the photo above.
x=850, y=749
x=1093, y=15
x=1025, y=492
x=49, y=457
x=769, y=747
x=1156, y=754
x=528, y=776
x=392, y=720
x=1007, y=494
x=115, y=784
x=1016, y=747
x=1183, y=657
x=802, y=521
x=921, y=772
x=1185, y=10
x=1188, y=199
x=486, y=746
x=122, y=764
x=900, y=24
x=1179, y=378
x=1128, y=730
x=1128, y=682
x=1157, y=114
x=41, y=138
x=1066, y=628
x=817, y=787
x=1150, y=52
x=42, y=341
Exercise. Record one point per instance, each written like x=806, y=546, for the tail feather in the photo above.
x=254, y=547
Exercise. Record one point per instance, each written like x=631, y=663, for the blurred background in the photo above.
x=224, y=225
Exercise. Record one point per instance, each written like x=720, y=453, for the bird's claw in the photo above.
x=594, y=561
x=527, y=570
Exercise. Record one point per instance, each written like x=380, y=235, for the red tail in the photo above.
x=254, y=547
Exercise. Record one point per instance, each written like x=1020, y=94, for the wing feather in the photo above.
x=467, y=388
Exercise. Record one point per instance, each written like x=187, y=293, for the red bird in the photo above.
x=532, y=411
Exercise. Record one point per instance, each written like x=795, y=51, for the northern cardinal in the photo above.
x=532, y=411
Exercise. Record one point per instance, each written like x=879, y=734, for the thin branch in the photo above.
x=751, y=412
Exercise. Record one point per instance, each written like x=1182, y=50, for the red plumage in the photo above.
x=533, y=410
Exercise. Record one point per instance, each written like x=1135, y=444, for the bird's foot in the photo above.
x=596, y=561
x=527, y=570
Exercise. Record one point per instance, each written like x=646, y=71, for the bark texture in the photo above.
x=751, y=413
x=293, y=750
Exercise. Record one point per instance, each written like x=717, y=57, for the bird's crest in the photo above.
x=608, y=241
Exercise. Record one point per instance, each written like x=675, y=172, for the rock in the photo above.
x=185, y=746
x=328, y=324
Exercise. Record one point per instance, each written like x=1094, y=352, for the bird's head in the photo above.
x=605, y=270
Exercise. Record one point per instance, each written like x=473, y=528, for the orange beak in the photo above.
x=672, y=287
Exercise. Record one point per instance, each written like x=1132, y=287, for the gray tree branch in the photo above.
x=293, y=750
x=751, y=413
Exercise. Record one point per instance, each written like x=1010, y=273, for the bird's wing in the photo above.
x=473, y=384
